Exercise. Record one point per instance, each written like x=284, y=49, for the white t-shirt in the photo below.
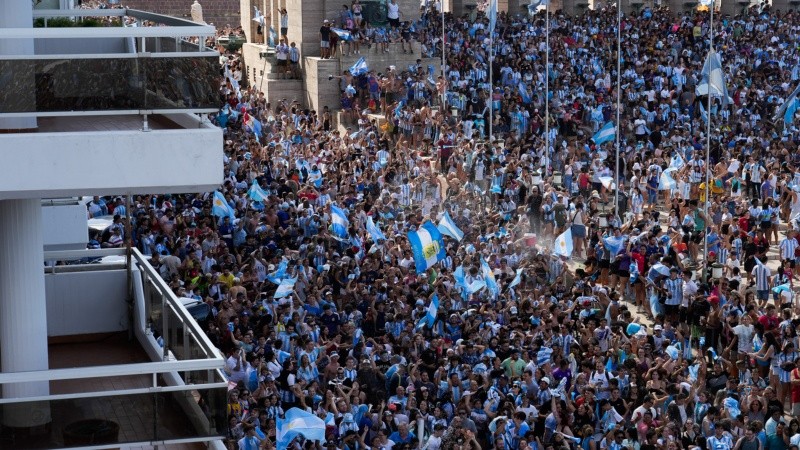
x=745, y=335
x=394, y=11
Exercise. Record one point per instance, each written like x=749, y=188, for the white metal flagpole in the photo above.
x=546, y=89
x=619, y=101
x=444, y=61
x=708, y=141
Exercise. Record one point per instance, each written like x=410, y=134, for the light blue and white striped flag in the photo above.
x=543, y=356
x=297, y=422
x=359, y=68
x=517, y=279
x=614, y=244
x=523, y=93
x=427, y=246
x=713, y=82
x=343, y=34
x=449, y=228
x=430, y=314
x=374, y=231
x=665, y=181
x=285, y=288
x=488, y=277
x=605, y=134
x=791, y=110
x=256, y=193
x=279, y=274
x=562, y=246
x=492, y=13
x=781, y=111
x=339, y=223
x=220, y=207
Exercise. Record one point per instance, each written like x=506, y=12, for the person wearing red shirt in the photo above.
x=770, y=321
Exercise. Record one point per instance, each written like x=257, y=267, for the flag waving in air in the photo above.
x=256, y=193
x=713, y=79
x=297, y=422
x=220, y=206
x=427, y=246
x=605, y=134
x=339, y=224
x=449, y=228
x=430, y=314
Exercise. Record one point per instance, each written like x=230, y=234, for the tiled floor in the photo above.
x=102, y=123
x=141, y=418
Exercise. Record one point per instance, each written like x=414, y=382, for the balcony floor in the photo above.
x=134, y=414
x=103, y=123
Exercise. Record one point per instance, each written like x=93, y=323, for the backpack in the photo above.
x=561, y=215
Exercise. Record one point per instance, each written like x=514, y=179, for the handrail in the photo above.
x=116, y=392
x=183, y=314
x=144, y=266
x=106, y=32
x=54, y=13
x=116, y=370
x=160, y=19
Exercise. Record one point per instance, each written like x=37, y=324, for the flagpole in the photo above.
x=547, y=89
x=444, y=61
x=491, y=85
x=619, y=97
x=708, y=144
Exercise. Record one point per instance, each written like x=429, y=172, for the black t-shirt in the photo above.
x=325, y=33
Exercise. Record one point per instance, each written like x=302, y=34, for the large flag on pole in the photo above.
x=713, y=79
x=605, y=134
x=299, y=423
x=492, y=13
x=427, y=246
x=788, y=116
x=344, y=35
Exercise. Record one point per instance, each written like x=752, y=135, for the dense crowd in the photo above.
x=633, y=339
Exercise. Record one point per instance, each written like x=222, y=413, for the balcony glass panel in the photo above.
x=108, y=84
x=190, y=414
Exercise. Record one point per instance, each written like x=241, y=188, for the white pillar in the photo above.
x=23, y=309
x=18, y=14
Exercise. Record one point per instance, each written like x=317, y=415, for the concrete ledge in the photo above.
x=60, y=164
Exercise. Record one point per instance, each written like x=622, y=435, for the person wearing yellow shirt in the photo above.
x=226, y=277
x=716, y=188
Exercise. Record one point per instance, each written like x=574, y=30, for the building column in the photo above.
x=23, y=310
x=18, y=14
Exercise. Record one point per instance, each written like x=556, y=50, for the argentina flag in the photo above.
x=614, y=244
x=449, y=228
x=543, y=356
x=562, y=246
x=430, y=314
x=427, y=246
x=374, y=231
x=285, y=288
x=256, y=193
x=297, y=422
x=713, y=79
x=343, y=34
x=339, y=223
x=220, y=206
x=359, y=68
x=488, y=277
x=605, y=134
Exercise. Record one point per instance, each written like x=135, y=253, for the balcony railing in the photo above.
x=184, y=397
x=160, y=65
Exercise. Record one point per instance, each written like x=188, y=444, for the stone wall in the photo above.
x=218, y=12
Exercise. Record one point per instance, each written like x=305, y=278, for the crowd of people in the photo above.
x=670, y=324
